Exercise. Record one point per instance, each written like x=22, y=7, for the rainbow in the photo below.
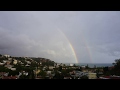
x=73, y=51
x=76, y=60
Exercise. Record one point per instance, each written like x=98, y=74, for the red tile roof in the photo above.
x=106, y=76
x=9, y=77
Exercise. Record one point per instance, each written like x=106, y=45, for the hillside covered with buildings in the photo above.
x=42, y=68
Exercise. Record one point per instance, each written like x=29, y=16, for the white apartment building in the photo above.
x=1, y=63
x=92, y=76
x=7, y=55
x=15, y=62
x=48, y=72
x=71, y=64
x=51, y=67
x=28, y=62
x=13, y=69
x=9, y=58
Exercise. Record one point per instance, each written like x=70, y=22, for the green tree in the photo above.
x=42, y=73
x=4, y=69
x=87, y=66
x=64, y=65
x=97, y=73
x=60, y=68
x=23, y=77
x=58, y=76
x=84, y=77
x=31, y=75
x=13, y=73
x=64, y=72
x=74, y=65
x=0, y=55
x=80, y=69
x=105, y=70
x=116, y=69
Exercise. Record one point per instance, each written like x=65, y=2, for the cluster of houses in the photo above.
x=10, y=62
x=79, y=74
x=7, y=63
x=76, y=74
x=4, y=75
x=50, y=73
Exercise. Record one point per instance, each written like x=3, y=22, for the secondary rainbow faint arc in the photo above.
x=69, y=45
x=88, y=49
x=86, y=44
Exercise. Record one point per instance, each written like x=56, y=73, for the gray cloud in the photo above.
x=93, y=35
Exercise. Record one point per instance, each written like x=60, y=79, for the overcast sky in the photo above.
x=94, y=35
